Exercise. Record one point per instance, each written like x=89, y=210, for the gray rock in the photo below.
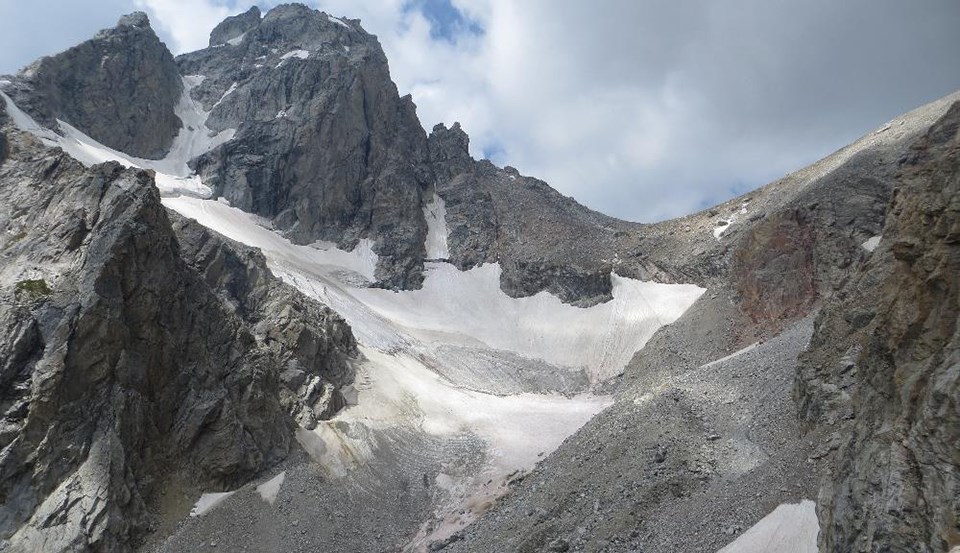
x=325, y=147
x=139, y=357
x=889, y=385
x=542, y=240
x=234, y=27
x=120, y=88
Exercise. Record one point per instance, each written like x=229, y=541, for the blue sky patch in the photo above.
x=446, y=21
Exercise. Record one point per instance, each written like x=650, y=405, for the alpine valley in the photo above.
x=247, y=303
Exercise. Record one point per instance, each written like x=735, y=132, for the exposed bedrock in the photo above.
x=325, y=147
x=884, y=368
x=132, y=353
x=120, y=88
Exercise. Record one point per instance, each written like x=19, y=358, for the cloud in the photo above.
x=188, y=23
x=643, y=110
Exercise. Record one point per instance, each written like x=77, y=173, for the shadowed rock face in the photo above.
x=884, y=365
x=120, y=88
x=325, y=147
x=131, y=354
x=542, y=239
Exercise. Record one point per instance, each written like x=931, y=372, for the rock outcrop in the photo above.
x=542, y=239
x=132, y=354
x=884, y=367
x=120, y=88
x=233, y=28
x=325, y=147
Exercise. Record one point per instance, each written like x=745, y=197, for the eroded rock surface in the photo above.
x=120, y=88
x=133, y=354
x=325, y=146
x=884, y=367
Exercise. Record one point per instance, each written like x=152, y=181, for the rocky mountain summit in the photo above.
x=119, y=87
x=325, y=147
x=248, y=302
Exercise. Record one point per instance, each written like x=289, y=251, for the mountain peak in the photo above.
x=135, y=19
x=283, y=24
x=112, y=87
x=449, y=144
x=235, y=26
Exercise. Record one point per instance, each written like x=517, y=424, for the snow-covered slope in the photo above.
x=173, y=175
x=414, y=341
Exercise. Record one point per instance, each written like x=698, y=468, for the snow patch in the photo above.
x=26, y=123
x=435, y=212
x=790, y=528
x=246, y=228
x=871, y=243
x=271, y=488
x=338, y=21
x=173, y=175
x=724, y=225
x=229, y=91
x=236, y=41
x=299, y=54
x=731, y=356
x=720, y=229
x=208, y=501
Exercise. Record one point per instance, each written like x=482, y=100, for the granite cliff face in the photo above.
x=134, y=354
x=884, y=368
x=120, y=88
x=325, y=147
x=542, y=239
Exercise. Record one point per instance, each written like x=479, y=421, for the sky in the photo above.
x=642, y=109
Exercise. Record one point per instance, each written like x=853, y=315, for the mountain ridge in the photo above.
x=424, y=351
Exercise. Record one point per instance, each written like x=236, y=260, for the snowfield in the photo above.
x=461, y=307
x=413, y=341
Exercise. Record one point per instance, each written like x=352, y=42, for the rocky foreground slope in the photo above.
x=137, y=351
x=147, y=358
